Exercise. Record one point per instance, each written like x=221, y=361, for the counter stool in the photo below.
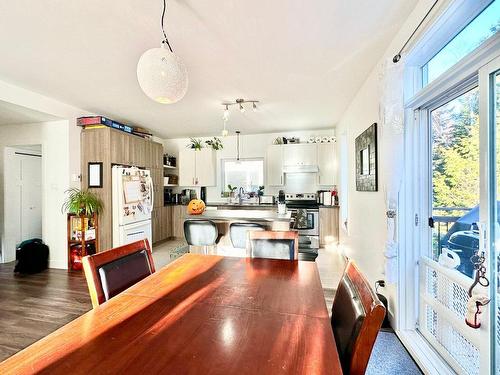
x=239, y=233
x=201, y=233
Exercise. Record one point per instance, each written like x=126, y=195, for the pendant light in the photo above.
x=237, y=146
x=161, y=74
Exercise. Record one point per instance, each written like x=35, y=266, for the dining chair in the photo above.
x=273, y=244
x=238, y=232
x=110, y=272
x=357, y=315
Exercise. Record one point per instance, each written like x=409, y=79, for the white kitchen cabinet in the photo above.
x=327, y=164
x=274, y=163
x=205, y=167
x=300, y=154
x=197, y=168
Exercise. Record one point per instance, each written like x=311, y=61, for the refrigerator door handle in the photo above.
x=152, y=192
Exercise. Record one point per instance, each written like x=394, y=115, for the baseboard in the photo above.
x=59, y=264
x=429, y=361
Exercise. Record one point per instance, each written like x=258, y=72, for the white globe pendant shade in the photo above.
x=162, y=75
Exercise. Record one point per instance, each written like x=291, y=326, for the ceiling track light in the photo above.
x=239, y=103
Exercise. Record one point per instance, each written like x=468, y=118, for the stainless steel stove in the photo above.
x=305, y=219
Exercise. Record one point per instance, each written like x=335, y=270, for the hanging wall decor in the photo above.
x=366, y=160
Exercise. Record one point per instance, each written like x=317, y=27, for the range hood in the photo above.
x=300, y=169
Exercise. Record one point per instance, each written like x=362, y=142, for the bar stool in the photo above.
x=238, y=233
x=201, y=233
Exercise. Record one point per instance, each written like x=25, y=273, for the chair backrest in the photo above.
x=273, y=244
x=357, y=315
x=110, y=272
x=200, y=232
x=239, y=233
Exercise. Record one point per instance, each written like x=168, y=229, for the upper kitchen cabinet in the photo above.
x=326, y=164
x=274, y=161
x=197, y=168
x=301, y=154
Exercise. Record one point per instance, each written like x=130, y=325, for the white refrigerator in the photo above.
x=132, y=205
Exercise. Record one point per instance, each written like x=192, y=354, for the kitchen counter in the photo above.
x=242, y=215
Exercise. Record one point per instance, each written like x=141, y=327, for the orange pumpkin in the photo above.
x=196, y=207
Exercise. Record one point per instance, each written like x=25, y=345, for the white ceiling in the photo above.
x=12, y=114
x=304, y=60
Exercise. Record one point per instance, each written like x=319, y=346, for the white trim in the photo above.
x=424, y=355
x=465, y=70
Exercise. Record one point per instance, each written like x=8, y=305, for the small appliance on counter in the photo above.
x=203, y=194
x=281, y=203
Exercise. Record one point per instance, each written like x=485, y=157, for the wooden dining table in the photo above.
x=202, y=314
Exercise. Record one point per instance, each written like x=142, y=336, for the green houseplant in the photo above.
x=196, y=144
x=215, y=143
x=82, y=202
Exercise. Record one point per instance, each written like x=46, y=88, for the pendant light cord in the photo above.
x=163, y=27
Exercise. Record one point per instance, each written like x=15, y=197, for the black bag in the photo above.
x=32, y=256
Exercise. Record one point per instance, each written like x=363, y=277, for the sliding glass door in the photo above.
x=489, y=81
x=459, y=289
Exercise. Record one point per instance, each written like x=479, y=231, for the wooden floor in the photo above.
x=33, y=306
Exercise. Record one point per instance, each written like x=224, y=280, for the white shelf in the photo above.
x=169, y=167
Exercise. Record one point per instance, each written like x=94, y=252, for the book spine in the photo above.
x=81, y=121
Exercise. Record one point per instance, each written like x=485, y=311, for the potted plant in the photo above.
x=196, y=144
x=82, y=203
x=231, y=189
x=215, y=143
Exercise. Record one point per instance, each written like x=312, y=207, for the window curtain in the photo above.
x=391, y=141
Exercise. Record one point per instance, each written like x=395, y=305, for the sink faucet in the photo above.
x=241, y=192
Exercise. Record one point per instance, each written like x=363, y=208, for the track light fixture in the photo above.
x=241, y=107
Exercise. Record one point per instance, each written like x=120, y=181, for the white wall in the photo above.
x=54, y=138
x=364, y=242
x=251, y=146
x=61, y=163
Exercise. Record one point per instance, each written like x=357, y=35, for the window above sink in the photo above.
x=245, y=173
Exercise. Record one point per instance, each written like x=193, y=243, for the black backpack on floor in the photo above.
x=32, y=256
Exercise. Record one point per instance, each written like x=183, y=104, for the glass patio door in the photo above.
x=463, y=228
x=489, y=81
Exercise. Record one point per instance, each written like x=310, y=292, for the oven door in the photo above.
x=305, y=221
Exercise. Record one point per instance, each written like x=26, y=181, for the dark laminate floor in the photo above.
x=33, y=306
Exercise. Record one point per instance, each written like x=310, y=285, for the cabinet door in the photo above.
x=178, y=214
x=148, y=160
x=205, y=167
x=118, y=154
x=328, y=226
x=155, y=227
x=187, y=168
x=274, y=163
x=300, y=154
x=157, y=176
x=166, y=222
x=326, y=164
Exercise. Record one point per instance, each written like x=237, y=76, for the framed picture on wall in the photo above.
x=366, y=160
x=95, y=175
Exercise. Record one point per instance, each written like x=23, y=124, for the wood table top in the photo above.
x=202, y=314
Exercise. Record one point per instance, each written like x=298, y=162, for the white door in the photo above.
x=31, y=196
x=274, y=162
x=326, y=164
x=300, y=154
x=205, y=167
x=187, y=168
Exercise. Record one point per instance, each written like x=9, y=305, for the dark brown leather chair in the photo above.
x=273, y=244
x=110, y=272
x=357, y=315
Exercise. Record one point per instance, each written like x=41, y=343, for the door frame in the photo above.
x=414, y=200
x=489, y=194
